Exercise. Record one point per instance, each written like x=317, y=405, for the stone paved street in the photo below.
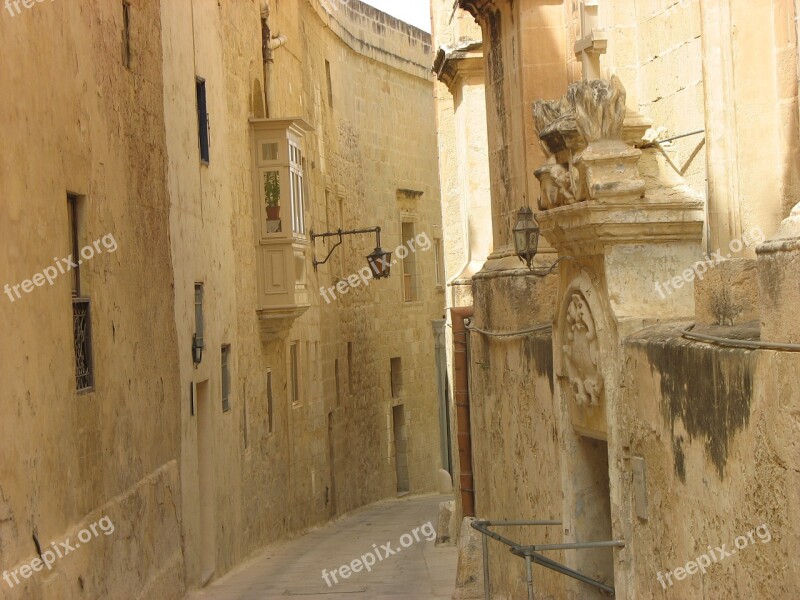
x=294, y=568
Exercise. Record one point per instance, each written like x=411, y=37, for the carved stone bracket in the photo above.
x=581, y=135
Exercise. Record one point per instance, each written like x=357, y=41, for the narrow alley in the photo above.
x=400, y=299
x=417, y=570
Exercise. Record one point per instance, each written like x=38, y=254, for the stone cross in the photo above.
x=594, y=41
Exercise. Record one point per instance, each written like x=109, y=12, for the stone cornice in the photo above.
x=452, y=61
x=589, y=227
x=478, y=8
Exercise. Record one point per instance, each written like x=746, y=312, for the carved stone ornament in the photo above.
x=578, y=132
x=581, y=352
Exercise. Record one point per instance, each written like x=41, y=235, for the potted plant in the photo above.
x=272, y=195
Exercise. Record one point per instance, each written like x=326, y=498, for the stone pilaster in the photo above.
x=779, y=282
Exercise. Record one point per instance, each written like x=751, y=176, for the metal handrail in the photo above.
x=531, y=553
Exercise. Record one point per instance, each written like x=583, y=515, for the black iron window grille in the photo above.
x=82, y=331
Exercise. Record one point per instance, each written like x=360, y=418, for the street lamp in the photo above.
x=380, y=261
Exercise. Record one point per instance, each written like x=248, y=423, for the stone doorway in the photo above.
x=205, y=476
x=400, y=449
x=332, y=466
x=592, y=512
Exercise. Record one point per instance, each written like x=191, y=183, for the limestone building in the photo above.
x=641, y=393
x=211, y=389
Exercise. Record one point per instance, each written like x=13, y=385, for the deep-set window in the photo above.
x=126, y=35
x=202, y=120
x=329, y=82
x=226, y=378
x=81, y=305
x=338, y=382
x=294, y=368
x=269, y=401
x=438, y=258
x=199, y=328
x=410, y=284
x=396, y=370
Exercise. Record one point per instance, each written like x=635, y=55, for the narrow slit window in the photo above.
x=294, y=367
x=329, y=82
x=269, y=401
x=226, y=378
x=410, y=283
x=81, y=305
x=202, y=121
x=396, y=370
x=126, y=35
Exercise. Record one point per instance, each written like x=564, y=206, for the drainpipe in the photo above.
x=268, y=45
x=461, y=389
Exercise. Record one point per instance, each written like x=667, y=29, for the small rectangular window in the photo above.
x=269, y=401
x=74, y=242
x=297, y=189
x=202, y=121
x=338, y=382
x=396, y=368
x=269, y=152
x=294, y=367
x=350, y=367
x=82, y=333
x=439, y=261
x=198, y=315
x=226, y=379
x=410, y=292
x=126, y=35
x=330, y=83
x=245, y=417
x=81, y=305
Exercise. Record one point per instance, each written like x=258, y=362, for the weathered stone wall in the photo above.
x=514, y=424
x=717, y=430
x=76, y=120
x=126, y=139
x=374, y=136
x=713, y=426
x=655, y=48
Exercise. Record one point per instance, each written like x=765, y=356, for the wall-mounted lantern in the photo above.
x=380, y=261
x=197, y=350
x=526, y=242
x=526, y=236
x=198, y=342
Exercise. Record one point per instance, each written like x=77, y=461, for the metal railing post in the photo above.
x=485, y=546
x=529, y=574
x=531, y=554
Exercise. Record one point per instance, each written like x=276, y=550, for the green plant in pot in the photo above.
x=272, y=195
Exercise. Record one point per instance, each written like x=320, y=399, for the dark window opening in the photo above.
x=202, y=121
x=226, y=378
x=126, y=35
